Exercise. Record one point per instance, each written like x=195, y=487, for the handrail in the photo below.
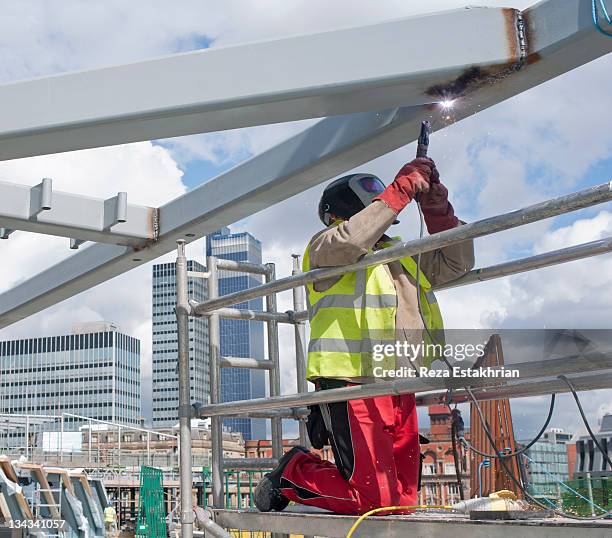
x=539, y=261
x=482, y=274
x=550, y=208
x=536, y=376
x=546, y=368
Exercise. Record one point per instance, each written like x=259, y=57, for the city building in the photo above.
x=240, y=338
x=158, y=448
x=439, y=478
x=588, y=458
x=93, y=372
x=545, y=464
x=165, y=343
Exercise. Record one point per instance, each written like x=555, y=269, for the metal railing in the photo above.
x=276, y=406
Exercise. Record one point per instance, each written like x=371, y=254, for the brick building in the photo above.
x=439, y=480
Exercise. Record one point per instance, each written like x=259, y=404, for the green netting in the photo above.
x=580, y=504
x=151, y=508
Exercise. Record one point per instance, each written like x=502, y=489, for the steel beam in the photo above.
x=433, y=524
x=83, y=218
x=337, y=72
x=327, y=149
x=312, y=76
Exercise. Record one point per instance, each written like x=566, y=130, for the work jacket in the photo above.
x=353, y=315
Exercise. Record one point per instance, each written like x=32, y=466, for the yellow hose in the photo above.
x=384, y=508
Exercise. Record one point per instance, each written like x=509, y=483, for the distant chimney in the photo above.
x=440, y=420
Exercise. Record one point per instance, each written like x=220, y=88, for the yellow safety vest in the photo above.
x=109, y=514
x=357, y=312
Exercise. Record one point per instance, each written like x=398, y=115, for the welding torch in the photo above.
x=423, y=145
x=423, y=140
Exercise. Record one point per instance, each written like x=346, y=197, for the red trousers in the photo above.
x=376, y=448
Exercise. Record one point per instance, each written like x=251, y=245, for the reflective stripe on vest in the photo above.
x=356, y=313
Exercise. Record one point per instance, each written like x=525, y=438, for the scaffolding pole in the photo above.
x=299, y=331
x=184, y=410
x=274, y=371
x=216, y=424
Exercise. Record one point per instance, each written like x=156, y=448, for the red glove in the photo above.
x=437, y=210
x=413, y=178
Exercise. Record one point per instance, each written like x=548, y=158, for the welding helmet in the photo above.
x=348, y=195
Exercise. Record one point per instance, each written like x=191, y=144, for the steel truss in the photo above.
x=519, y=49
x=40, y=209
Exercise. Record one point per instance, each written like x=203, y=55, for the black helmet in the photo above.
x=348, y=195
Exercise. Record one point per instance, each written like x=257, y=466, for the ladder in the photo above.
x=40, y=503
x=272, y=318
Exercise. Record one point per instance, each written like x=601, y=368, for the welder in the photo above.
x=375, y=441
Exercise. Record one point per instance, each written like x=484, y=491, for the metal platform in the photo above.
x=421, y=524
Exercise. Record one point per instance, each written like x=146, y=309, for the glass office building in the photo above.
x=589, y=459
x=546, y=464
x=240, y=338
x=94, y=372
x=165, y=343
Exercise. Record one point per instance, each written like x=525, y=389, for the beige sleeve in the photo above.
x=350, y=240
x=448, y=263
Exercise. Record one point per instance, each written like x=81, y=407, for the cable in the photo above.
x=584, y=419
x=485, y=426
x=482, y=419
x=528, y=495
x=456, y=457
x=602, y=6
x=386, y=508
x=521, y=450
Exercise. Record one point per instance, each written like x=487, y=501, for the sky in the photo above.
x=548, y=141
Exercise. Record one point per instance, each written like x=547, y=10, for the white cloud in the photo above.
x=534, y=146
x=150, y=176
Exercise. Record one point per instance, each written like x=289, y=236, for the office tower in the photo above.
x=165, y=343
x=546, y=464
x=589, y=461
x=240, y=338
x=94, y=372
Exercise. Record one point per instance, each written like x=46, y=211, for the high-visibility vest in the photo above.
x=357, y=312
x=109, y=515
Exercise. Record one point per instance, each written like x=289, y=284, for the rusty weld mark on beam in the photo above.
x=475, y=77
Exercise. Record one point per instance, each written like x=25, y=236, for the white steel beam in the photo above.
x=395, y=63
x=560, y=37
x=81, y=218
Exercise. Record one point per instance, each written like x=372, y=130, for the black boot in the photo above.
x=267, y=494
